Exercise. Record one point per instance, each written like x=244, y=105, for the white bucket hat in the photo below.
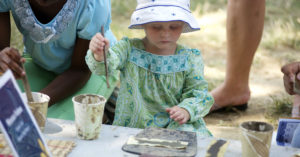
x=162, y=11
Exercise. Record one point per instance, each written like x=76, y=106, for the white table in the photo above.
x=112, y=138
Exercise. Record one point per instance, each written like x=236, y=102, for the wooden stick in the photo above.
x=27, y=87
x=105, y=62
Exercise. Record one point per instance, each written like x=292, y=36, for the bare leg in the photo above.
x=245, y=20
x=296, y=106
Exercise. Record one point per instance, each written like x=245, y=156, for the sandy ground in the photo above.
x=265, y=76
x=265, y=81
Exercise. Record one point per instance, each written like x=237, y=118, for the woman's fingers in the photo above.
x=11, y=59
x=3, y=67
x=14, y=55
x=6, y=59
x=18, y=71
x=290, y=71
x=288, y=84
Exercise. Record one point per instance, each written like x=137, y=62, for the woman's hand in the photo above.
x=290, y=71
x=10, y=58
x=97, y=45
x=178, y=114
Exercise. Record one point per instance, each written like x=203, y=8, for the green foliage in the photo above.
x=16, y=37
x=279, y=106
x=123, y=8
x=282, y=24
x=205, y=6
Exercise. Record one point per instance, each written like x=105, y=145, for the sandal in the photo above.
x=217, y=108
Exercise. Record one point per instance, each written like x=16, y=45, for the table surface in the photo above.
x=112, y=138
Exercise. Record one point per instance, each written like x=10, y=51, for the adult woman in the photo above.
x=56, y=35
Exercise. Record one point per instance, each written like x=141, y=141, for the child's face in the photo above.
x=163, y=35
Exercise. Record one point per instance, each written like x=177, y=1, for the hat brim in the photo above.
x=163, y=14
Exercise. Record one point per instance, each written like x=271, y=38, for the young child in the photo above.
x=162, y=83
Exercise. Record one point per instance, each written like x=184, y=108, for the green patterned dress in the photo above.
x=151, y=83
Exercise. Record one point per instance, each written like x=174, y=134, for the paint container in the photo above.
x=39, y=108
x=256, y=138
x=88, y=110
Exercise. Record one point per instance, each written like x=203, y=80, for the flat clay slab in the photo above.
x=164, y=134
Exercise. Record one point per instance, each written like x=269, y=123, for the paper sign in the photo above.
x=17, y=122
x=285, y=131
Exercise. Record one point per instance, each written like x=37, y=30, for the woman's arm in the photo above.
x=5, y=30
x=10, y=58
x=72, y=79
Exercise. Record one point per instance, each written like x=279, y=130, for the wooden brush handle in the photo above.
x=27, y=87
x=105, y=62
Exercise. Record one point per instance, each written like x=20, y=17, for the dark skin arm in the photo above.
x=74, y=78
x=9, y=57
x=78, y=74
x=63, y=85
x=5, y=30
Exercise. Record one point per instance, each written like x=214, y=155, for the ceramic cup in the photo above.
x=39, y=108
x=256, y=138
x=88, y=110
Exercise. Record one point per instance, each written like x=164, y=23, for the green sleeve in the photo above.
x=116, y=58
x=195, y=96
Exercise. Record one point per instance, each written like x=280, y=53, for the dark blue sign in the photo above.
x=286, y=131
x=17, y=123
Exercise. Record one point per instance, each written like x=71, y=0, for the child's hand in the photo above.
x=178, y=114
x=96, y=46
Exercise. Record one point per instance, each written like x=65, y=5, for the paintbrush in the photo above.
x=105, y=62
x=27, y=87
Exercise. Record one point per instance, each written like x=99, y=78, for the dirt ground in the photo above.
x=265, y=82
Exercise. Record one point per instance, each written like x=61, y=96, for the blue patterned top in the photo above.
x=51, y=45
x=158, y=64
x=151, y=83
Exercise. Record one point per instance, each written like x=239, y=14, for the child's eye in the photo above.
x=156, y=27
x=175, y=27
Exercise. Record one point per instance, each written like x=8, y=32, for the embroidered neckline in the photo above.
x=43, y=33
x=158, y=63
x=139, y=45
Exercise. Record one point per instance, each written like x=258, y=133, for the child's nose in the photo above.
x=165, y=33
